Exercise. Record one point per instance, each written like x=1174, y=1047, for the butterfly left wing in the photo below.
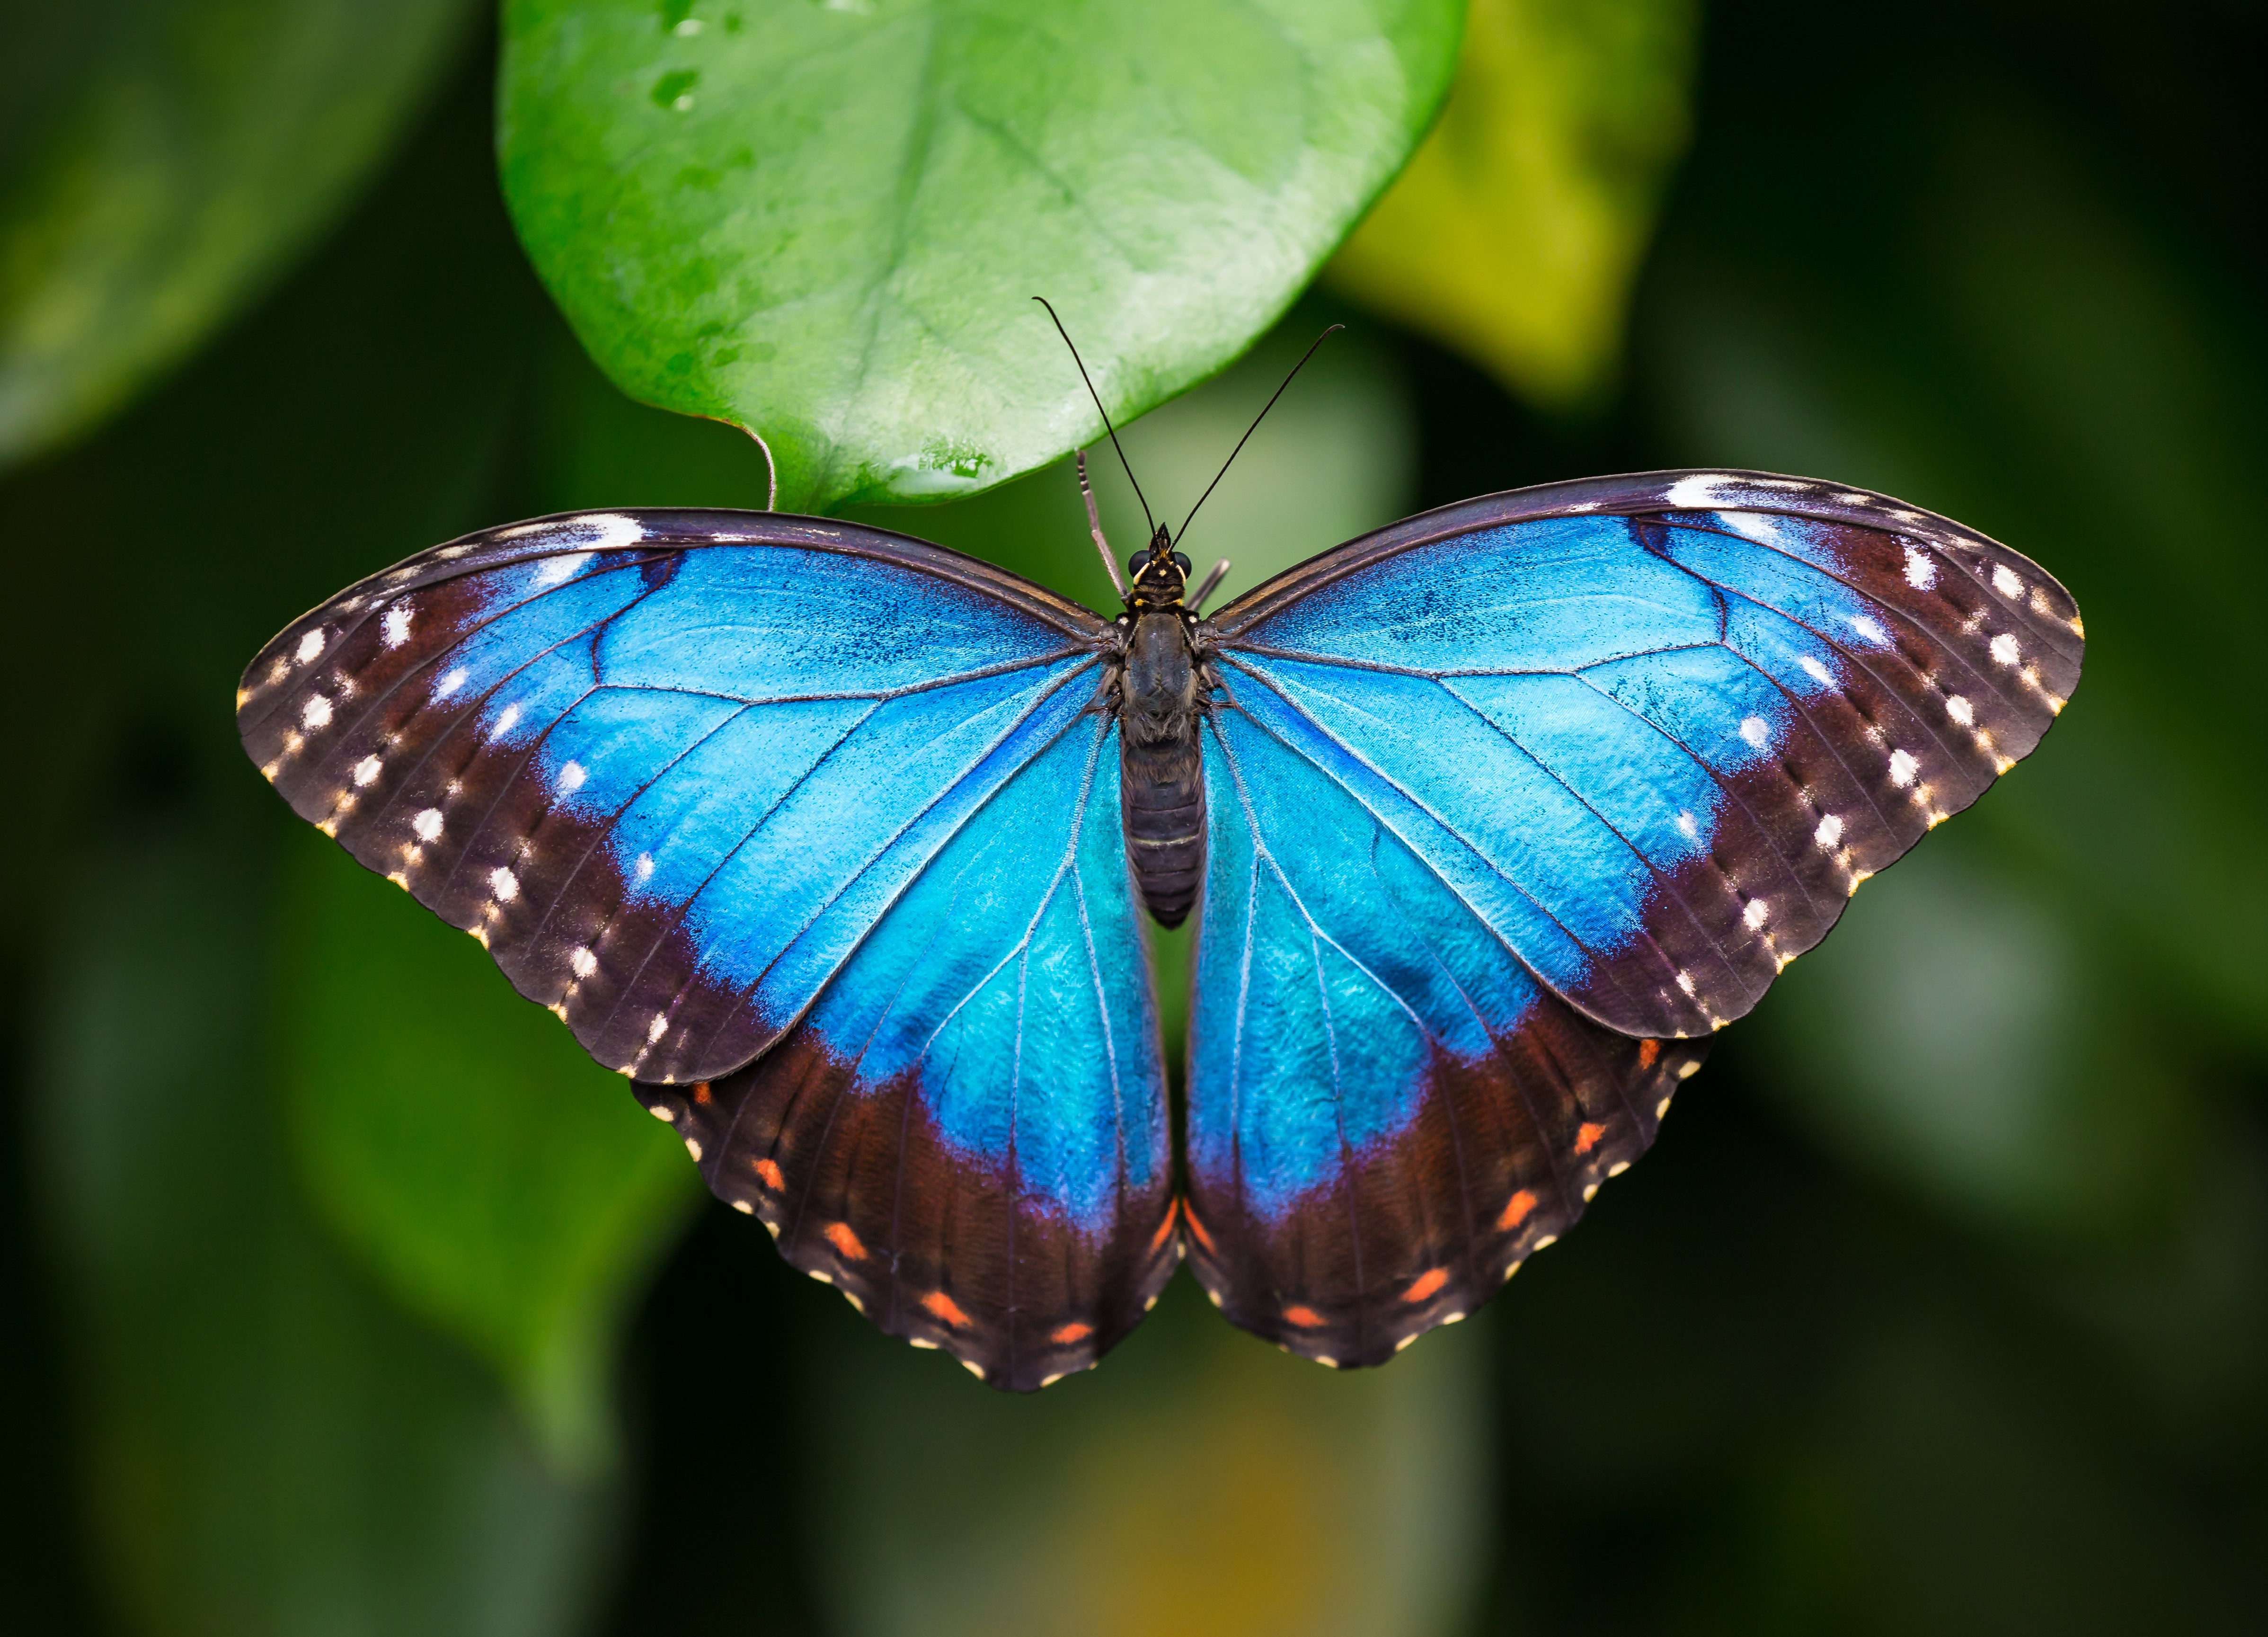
x=802, y=825
x=1513, y=804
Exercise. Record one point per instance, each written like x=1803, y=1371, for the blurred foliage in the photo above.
x=160, y=160
x=269, y=1446
x=826, y=223
x=1942, y=1303
x=495, y=1177
x=1515, y=234
x=1197, y=1483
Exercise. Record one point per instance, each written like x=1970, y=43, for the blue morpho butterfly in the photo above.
x=837, y=842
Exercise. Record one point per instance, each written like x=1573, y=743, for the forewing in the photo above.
x=669, y=767
x=1512, y=806
x=1655, y=731
x=967, y=1133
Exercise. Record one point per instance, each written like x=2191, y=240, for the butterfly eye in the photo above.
x=1182, y=563
x=1136, y=564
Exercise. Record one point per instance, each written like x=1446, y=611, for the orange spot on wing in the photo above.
x=770, y=1173
x=1515, y=1211
x=1429, y=1281
x=1196, y=1227
x=839, y=1235
x=1306, y=1319
x=1070, y=1333
x=946, y=1309
x=1587, y=1137
x=701, y=1091
x=1647, y=1052
x=1165, y=1228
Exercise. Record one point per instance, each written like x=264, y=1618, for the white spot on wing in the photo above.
x=1867, y=628
x=317, y=711
x=310, y=645
x=1957, y=708
x=572, y=777
x=559, y=570
x=427, y=824
x=1755, y=730
x=1830, y=833
x=1757, y=526
x=584, y=962
x=506, y=722
x=1814, y=670
x=503, y=884
x=1902, y=768
x=592, y=528
x=659, y=1027
x=365, y=772
x=1696, y=493
x=1687, y=826
x=645, y=868
x=2006, y=649
x=449, y=684
x=1921, y=573
x=396, y=625
x=1756, y=914
x=2005, y=581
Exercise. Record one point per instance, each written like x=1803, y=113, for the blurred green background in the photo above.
x=343, y=1296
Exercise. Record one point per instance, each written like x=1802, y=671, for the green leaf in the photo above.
x=825, y=223
x=500, y=1183
x=1515, y=234
x=162, y=160
x=272, y=1447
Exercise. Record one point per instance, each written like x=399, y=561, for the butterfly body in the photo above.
x=839, y=845
x=1161, y=686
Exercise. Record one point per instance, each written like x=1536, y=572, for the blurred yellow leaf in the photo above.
x=1515, y=233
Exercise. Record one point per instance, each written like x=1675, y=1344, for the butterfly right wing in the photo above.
x=1512, y=805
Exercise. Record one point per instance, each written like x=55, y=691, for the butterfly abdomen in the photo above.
x=1160, y=773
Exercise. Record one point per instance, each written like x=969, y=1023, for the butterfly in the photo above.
x=841, y=846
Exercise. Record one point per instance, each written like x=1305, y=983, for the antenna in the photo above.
x=1107, y=426
x=1254, y=427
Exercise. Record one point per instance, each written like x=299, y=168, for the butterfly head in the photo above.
x=1160, y=575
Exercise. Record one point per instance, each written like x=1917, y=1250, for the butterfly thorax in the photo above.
x=1161, y=689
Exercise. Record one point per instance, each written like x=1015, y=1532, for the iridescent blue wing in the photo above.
x=811, y=829
x=1512, y=805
